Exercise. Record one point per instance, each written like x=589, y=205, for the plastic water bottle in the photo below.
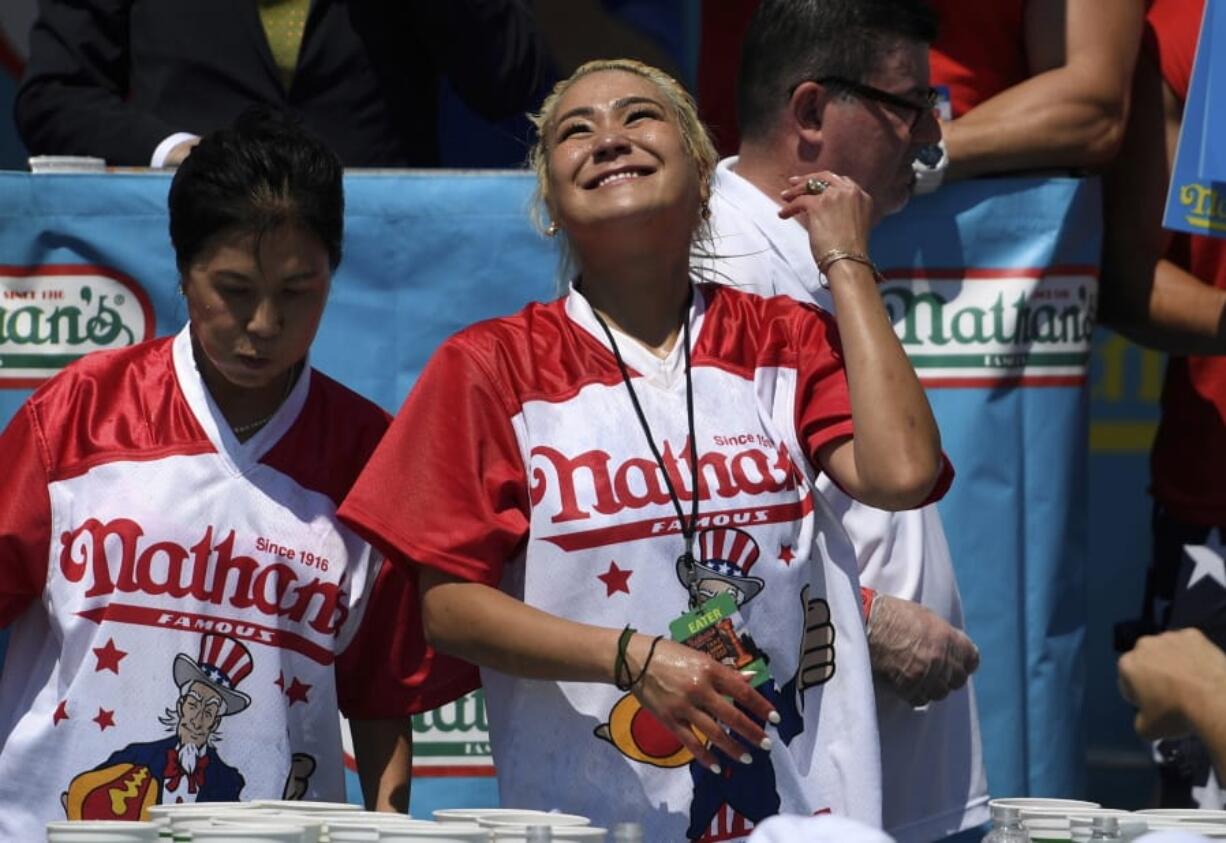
x=1105, y=828
x=1007, y=826
x=628, y=833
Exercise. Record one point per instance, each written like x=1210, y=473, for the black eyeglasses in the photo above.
x=868, y=92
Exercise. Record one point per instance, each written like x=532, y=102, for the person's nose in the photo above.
x=266, y=319
x=610, y=144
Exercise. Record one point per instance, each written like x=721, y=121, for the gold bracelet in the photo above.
x=833, y=256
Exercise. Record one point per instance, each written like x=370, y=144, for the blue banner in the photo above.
x=992, y=285
x=1196, y=201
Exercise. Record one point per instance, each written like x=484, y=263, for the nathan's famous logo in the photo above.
x=52, y=315
x=982, y=327
x=590, y=482
x=453, y=738
x=1206, y=206
x=117, y=557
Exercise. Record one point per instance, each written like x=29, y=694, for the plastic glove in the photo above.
x=921, y=655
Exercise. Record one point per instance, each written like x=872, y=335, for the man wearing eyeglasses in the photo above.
x=833, y=89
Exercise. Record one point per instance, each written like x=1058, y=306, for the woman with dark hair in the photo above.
x=185, y=609
x=591, y=482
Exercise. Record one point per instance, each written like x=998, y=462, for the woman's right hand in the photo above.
x=686, y=690
x=839, y=217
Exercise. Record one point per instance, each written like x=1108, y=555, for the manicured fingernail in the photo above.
x=716, y=769
x=749, y=674
x=765, y=744
x=774, y=717
x=746, y=758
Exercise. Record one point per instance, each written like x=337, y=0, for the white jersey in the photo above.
x=527, y=469
x=933, y=779
x=180, y=601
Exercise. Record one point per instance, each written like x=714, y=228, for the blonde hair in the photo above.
x=694, y=136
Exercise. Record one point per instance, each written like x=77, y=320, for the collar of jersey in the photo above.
x=241, y=457
x=736, y=196
x=663, y=372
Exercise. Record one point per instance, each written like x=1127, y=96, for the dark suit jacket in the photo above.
x=113, y=78
x=222, y=783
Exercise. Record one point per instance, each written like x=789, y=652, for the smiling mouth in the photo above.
x=617, y=176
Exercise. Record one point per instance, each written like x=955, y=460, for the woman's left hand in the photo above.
x=839, y=216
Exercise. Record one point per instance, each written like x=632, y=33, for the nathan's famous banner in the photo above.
x=1196, y=201
x=992, y=288
x=991, y=284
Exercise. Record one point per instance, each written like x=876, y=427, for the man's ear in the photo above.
x=806, y=107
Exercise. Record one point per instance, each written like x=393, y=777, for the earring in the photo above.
x=552, y=230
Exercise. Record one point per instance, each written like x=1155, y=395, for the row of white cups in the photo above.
x=276, y=821
x=1061, y=820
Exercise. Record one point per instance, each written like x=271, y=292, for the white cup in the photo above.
x=311, y=828
x=195, y=809
x=66, y=164
x=1025, y=802
x=564, y=834
x=472, y=815
x=1198, y=815
x=428, y=833
x=254, y=833
x=101, y=831
x=526, y=818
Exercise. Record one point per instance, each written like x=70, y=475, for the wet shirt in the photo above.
x=519, y=462
x=184, y=608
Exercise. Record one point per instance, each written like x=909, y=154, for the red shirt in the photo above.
x=1188, y=462
x=980, y=50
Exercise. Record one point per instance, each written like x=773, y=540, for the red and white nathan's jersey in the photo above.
x=184, y=607
x=518, y=461
x=933, y=778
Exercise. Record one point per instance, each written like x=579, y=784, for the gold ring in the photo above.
x=815, y=186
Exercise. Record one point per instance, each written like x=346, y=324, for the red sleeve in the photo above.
x=25, y=515
x=446, y=487
x=388, y=670
x=823, y=406
x=1172, y=28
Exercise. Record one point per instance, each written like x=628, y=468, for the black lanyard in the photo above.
x=686, y=559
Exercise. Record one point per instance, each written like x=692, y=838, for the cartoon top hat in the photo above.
x=726, y=554
x=223, y=664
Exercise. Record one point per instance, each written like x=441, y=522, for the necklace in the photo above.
x=240, y=429
x=686, y=560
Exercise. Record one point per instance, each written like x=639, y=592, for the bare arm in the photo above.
x=1177, y=681
x=383, y=750
x=894, y=459
x=1144, y=296
x=684, y=688
x=1071, y=111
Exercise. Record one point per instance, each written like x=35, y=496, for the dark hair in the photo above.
x=790, y=41
x=259, y=174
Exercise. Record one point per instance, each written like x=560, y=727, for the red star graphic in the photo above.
x=105, y=719
x=297, y=691
x=61, y=713
x=785, y=554
x=280, y=683
x=615, y=579
x=109, y=657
